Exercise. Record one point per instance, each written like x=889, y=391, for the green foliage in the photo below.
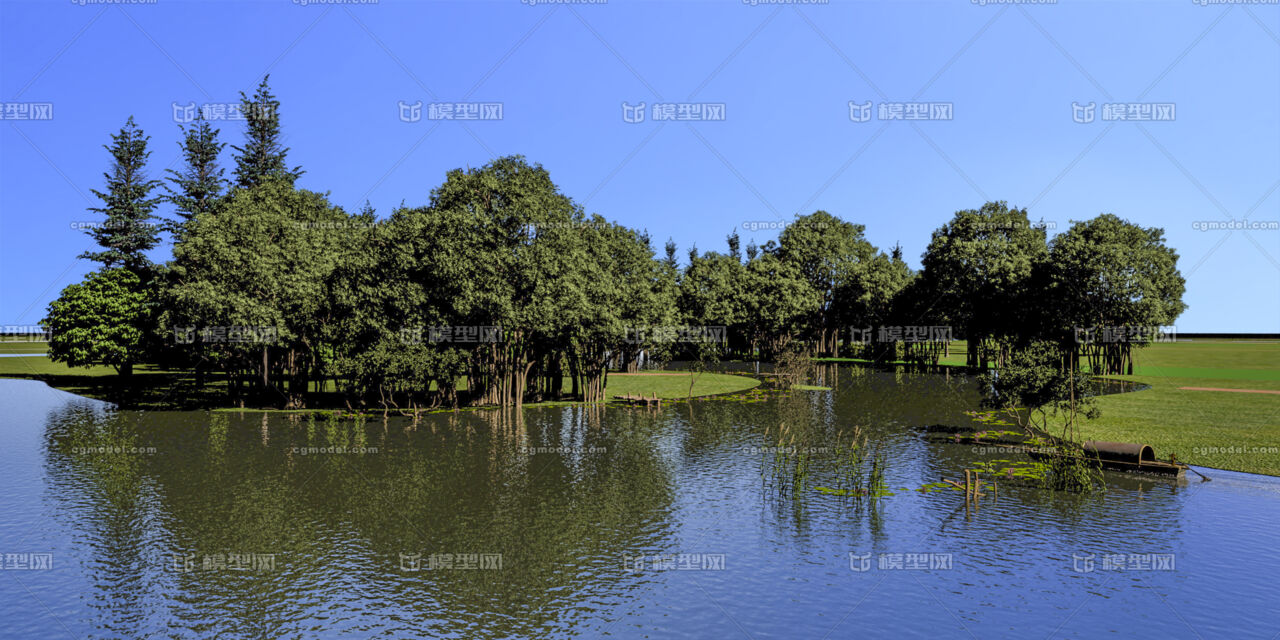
x=1036, y=384
x=262, y=155
x=978, y=274
x=262, y=262
x=777, y=302
x=128, y=232
x=196, y=188
x=101, y=321
x=832, y=256
x=561, y=294
x=1107, y=272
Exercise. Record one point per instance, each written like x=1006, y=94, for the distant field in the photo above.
x=1237, y=431
x=22, y=347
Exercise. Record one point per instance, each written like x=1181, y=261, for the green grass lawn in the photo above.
x=1210, y=428
x=41, y=366
x=677, y=386
x=23, y=347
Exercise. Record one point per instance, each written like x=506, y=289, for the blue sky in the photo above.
x=787, y=144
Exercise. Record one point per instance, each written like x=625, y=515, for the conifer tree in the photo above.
x=128, y=231
x=262, y=154
x=197, y=187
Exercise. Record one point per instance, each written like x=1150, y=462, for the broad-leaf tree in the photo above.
x=104, y=320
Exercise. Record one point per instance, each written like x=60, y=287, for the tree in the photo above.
x=978, y=271
x=196, y=188
x=101, y=321
x=257, y=278
x=1114, y=283
x=711, y=300
x=262, y=154
x=864, y=299
x=500, y=246
x=776, y=303
x=670, y=253
x=828, y=252
x=127, y=233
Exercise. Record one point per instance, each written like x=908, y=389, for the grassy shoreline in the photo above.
x=1216, y=429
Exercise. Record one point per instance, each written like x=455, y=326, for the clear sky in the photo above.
x=1008, y=74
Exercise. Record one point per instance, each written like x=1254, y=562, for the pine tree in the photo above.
x=197, y=187
x=262, y=155
x=127, y=233
x=734, y=246
x=670, y=248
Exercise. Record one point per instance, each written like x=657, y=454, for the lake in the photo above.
x=599, y=522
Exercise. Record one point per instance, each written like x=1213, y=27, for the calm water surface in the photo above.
x=615, y=522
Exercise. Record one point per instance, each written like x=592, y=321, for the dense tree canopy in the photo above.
x=500, y=289
x=102, y=321
x=1105, y=276
x=977, y=273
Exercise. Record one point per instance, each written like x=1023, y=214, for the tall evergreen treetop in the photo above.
x=127, y=233
x=197, y=187
x=670, y=249
x=262, y=154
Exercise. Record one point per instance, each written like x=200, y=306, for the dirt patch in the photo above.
x=1231, y=390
